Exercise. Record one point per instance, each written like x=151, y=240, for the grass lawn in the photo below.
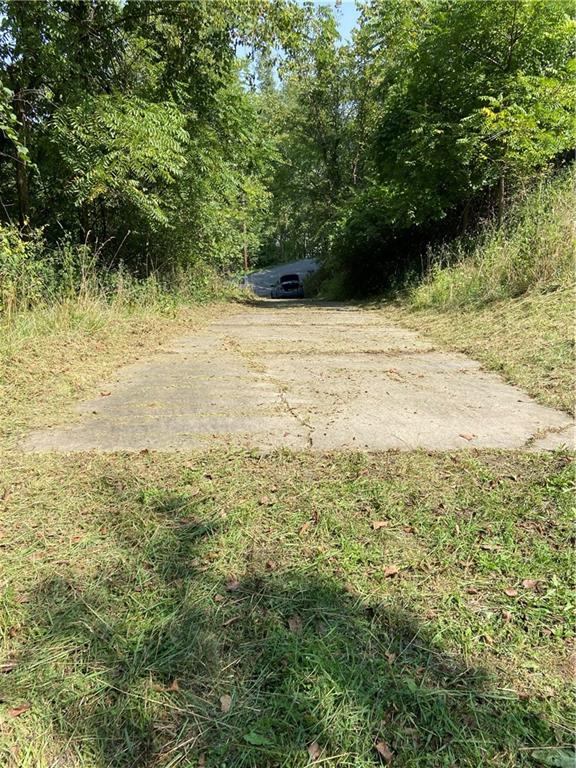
x=232, y=610
x=224, y=609
x=529, y=340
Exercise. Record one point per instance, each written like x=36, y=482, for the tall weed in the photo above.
x=534, y=249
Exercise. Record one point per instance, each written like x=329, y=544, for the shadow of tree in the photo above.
x=133, y=663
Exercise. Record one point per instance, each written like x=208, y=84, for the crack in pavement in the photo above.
x=293, y=412
x=353, y=386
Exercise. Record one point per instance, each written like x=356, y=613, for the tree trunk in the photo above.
x=246, y=262
x=466, y=217
x=21, y=166
x=501, y=191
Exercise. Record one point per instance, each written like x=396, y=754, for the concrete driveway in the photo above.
x=307, y=376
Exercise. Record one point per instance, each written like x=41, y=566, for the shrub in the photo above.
x=533, y=249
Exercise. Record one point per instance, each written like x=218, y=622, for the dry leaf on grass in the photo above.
x=225, y=703
x=232, y=585
x=219, y=598
x=391, y=570
x=384, y=751
x=377, y=524
x=314, y=750
x=17, y=711
x=173, y=686
x=530, y=583
x=295, y=624
x=304, y=528
x=511, y=592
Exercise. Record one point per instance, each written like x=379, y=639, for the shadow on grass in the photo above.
x=131, y=666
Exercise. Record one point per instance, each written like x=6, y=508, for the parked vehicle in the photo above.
x=288, y=287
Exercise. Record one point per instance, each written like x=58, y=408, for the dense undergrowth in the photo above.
x=534, y=249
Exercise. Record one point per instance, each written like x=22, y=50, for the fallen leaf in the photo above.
x=408, y=528
x=314, y=750
x=271, y=565
x=467, y=436
x=384, y=751
x=530, y=583
x=295, y=624
x=391, y=570
x=266, y=501
x=304, y=528
x=105, y=394
x=472, y=591
x=225, y=703
x=173, y=686
x=232, y=585
x=202, y=761
x=391, y=657
x=507, y=616
x=511, y=592
x=17, y=711
x=377, y=524
x=219, y=598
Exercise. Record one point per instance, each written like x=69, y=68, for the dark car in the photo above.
x=288, y=287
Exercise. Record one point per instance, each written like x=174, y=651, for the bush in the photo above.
x=533, y=249
x=33, y=274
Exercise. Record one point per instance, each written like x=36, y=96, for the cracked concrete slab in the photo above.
x=307, y=376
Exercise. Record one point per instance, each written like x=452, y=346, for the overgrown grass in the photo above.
x=535, y=249
x=231, y=610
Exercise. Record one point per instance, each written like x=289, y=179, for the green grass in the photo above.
x=139, y=590
x=533, y=250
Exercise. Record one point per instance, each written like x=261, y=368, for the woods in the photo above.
x=159, y=137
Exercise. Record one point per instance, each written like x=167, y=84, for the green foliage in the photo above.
x=121, y=150
x=534, y=249
x=477, y=92
x=23, y=273
x=435, y=117
x=144, y=144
